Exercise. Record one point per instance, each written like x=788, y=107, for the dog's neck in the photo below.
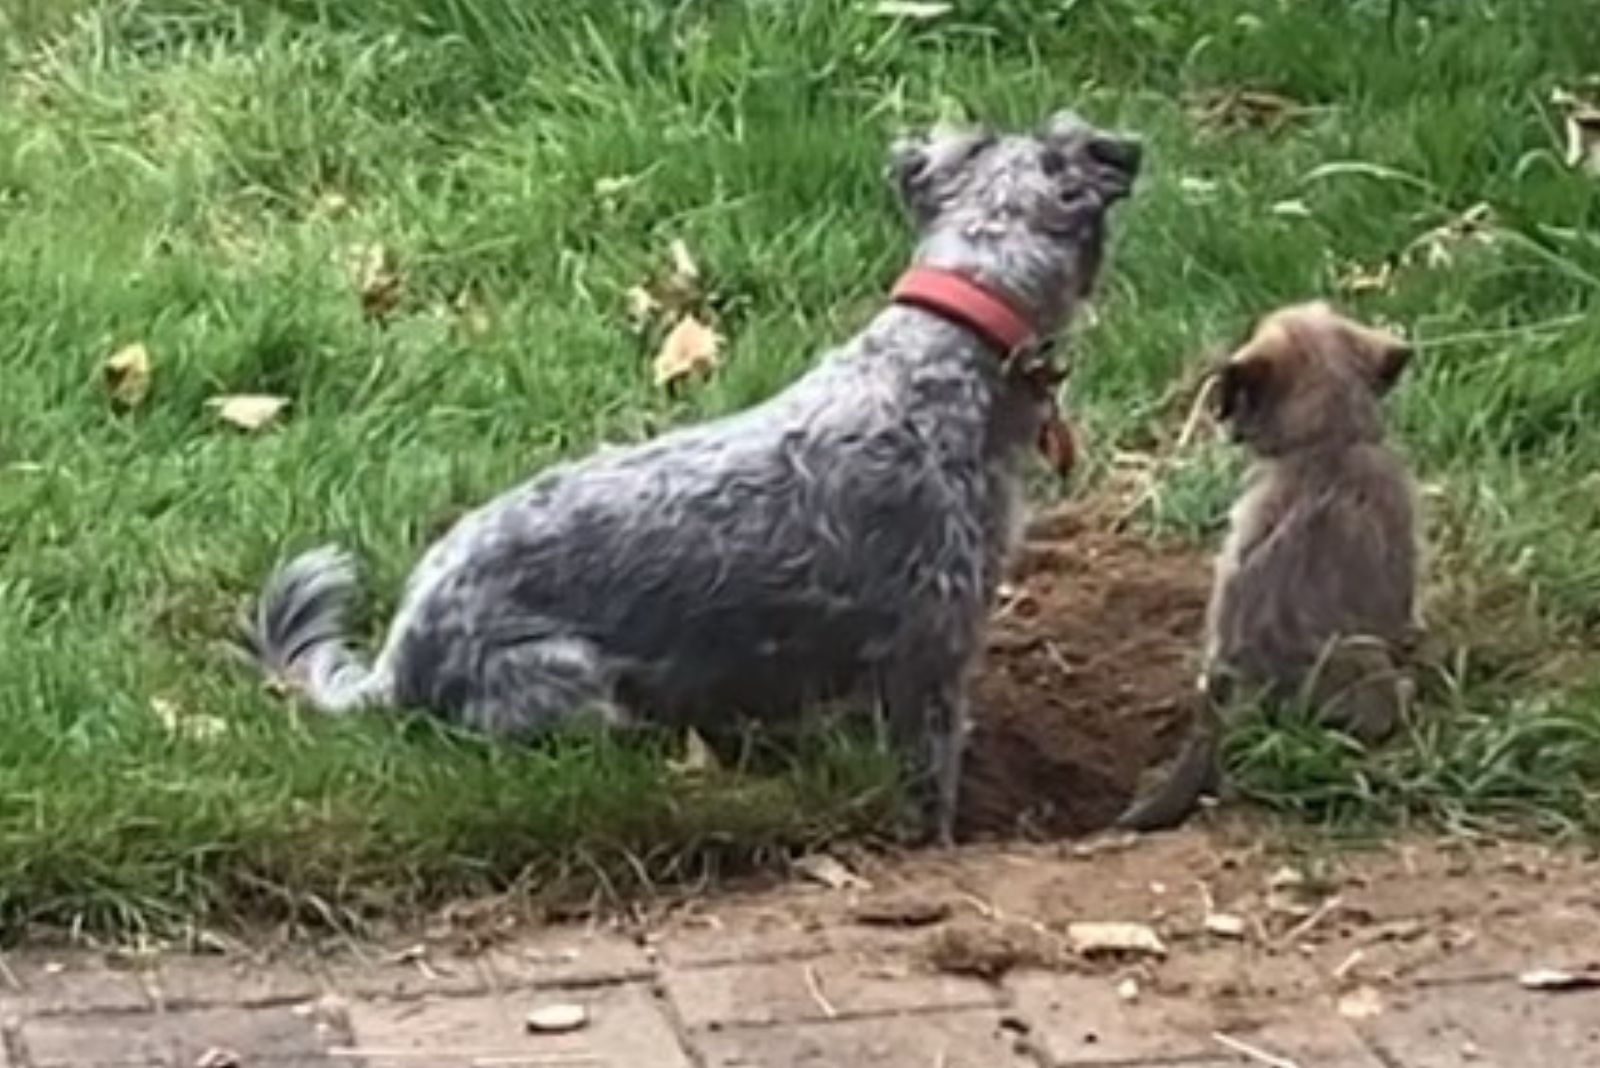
x=951, y=295
x=1019, y=349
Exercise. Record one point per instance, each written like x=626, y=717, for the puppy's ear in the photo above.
x=1241, y=386
x=1383, y=355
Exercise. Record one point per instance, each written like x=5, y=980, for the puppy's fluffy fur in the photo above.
x=843, y=537
x=1315, y=590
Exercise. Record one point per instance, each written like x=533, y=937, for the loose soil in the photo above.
x=1091, y=662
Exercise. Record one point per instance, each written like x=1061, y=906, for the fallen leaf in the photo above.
x=558, y=1019
x=1243, y=109
x=1553, y=979
x=248, y=411
x=690, y=349
x=376, y=275
x=698, y=759
x=823, y=869
x=1091, y=939
x=191, y=725
x=1359, y=279
x=685, y=272
x=1362, y=1003
x=1225, y=925
x=1437, y=247
x=918, y=10
x=642, y=306
x=606, y=188
x=1582, y=129
x=127, y=374
x=219, y=1057
x=470, y=313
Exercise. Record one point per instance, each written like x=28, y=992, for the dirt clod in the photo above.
x=988, y=950
x=902, y=910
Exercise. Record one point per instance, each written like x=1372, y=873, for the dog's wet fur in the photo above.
x=1314, y=598
x=844, y=538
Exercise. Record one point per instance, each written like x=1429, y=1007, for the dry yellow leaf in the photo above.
x=375, y=272
x=181, y=724
x=642, y=305
x=685, y=272
x=692, y=348
x=248, y=411
x=127, y=374
x=1583, y=131
x=698, y=759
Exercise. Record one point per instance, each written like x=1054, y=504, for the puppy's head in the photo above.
x=1308, y=377
x=1025, y=212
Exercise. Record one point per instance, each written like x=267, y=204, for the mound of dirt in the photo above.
x=1092, y=656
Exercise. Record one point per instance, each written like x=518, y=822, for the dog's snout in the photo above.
x=1123, y=154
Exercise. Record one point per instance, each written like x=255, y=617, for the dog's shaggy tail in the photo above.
x=298, y=633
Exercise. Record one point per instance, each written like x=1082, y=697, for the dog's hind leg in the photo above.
x=534, y=686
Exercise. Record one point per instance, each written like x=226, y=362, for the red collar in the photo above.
x=997, y=321
x=960, y=299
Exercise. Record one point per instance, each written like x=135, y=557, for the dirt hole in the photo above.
x=1091, y=656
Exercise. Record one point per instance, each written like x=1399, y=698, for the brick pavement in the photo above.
x=790, y=992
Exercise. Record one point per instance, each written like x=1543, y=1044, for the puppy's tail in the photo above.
x=298, y=633
x=1196, y=771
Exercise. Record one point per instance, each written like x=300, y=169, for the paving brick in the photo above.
x=278, y=1037
x=790, y=991
x=627, y=1029
x=970, y=1039
x=567, y=959
x=391, y=975
x=1081, y=1020
x=196, y=982
x=75, y=982
x=1488, y=1025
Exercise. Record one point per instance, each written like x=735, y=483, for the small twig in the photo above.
x=1260, y=1056
x=985, y=908
x=814, y=985
x=9, y=976
x=1349, y=964
x=1197, y=411
x=1323, y=911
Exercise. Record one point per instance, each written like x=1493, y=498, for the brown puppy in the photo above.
x=1315, y=591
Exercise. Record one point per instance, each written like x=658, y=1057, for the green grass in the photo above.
x=191, y=175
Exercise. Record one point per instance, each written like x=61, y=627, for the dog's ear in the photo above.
x=1241, y=385
x=909, y=167
x=923, y=166
x=1076, y=151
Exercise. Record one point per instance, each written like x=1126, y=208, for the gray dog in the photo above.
x=844, y=538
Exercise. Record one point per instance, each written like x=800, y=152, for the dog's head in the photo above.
x=1023, y=212
x=1307, y=377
